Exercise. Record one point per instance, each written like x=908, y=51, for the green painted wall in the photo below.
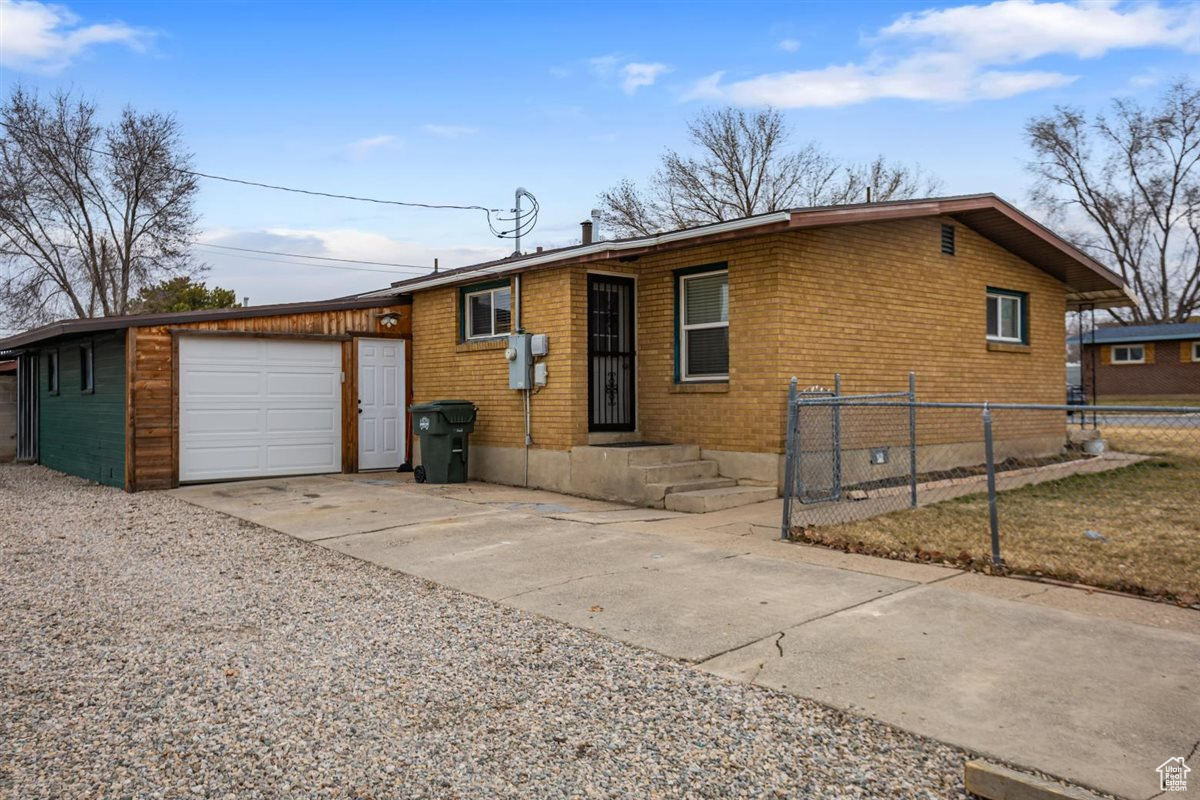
x=83, y=433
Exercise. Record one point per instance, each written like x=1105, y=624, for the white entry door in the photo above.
x=381, y=440
x=251, y=407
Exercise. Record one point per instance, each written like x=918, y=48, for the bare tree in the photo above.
x=1127, y=187
x=744, y=167
x=89, y=213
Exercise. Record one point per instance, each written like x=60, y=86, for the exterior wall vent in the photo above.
x=948, y=239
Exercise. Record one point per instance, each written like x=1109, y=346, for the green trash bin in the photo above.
x=445, y=429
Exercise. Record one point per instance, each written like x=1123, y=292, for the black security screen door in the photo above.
x=611, y=368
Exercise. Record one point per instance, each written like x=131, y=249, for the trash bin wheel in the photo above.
x=419, y=474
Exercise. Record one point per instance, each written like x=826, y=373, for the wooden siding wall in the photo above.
x=153, y=412
x=84, y=433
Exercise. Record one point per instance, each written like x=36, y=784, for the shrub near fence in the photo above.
x=1103, y=495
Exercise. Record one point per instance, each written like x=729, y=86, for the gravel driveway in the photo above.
x=153, y=649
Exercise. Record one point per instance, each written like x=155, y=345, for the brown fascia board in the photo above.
x=568, y=259
x=1033, y=242
x=95, y=324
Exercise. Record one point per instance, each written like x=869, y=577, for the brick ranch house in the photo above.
x=1142, y=362
x=686, y=339
x=690, y=338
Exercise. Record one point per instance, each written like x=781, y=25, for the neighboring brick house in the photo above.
x=1142, y=362
x=691, y=337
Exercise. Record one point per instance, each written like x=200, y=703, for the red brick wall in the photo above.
x=1169, y=372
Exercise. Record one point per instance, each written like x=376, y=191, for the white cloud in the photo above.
x=364, y=147
x=604, y=66
x=449, y=131
x=277, y=279
x=789, y=45
x=1013, y=31
x=969, y=52
x=630, y=75
x=636, y=75
x=42, y=37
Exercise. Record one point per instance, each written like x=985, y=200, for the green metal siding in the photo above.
x=83, y=433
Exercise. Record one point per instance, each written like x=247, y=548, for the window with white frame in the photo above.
x=1195, y=351
x=1006, y=316
x=487, y=313
x=1129, y=354
x=704, y=326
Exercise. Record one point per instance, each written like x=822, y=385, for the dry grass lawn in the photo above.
x=1148, y=514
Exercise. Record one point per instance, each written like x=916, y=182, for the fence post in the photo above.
x=993, y=514
x=837, y=437
x=789, y=461
x=912, y=438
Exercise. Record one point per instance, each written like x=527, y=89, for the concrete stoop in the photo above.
x=672, y=476
x=703, y=500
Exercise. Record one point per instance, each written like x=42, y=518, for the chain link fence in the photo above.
x=1103, y=495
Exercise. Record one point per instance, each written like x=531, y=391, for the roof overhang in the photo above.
x=97, y=324
x=601, y=251
x=1102, y=299
x=1090, y=284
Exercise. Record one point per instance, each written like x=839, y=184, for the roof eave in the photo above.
x=600, y=251
x=62, y=328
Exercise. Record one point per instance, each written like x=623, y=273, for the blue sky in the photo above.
x=462, y=102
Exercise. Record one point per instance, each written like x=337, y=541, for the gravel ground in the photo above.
x=149, y=648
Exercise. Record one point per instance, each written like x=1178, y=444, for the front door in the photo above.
x=612, y=370
x=381, y=439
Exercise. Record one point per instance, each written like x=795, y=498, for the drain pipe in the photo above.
x=528, y=388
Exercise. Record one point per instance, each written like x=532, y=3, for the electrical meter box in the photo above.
x=540, y=345
x=520, y=361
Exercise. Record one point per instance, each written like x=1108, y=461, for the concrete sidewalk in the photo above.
x=1090, y=687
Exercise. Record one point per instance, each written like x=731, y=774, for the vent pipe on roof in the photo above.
x=586, y=227
x=596, y=237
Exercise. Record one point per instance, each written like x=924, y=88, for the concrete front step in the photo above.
x=660, y=454
x=657, y=491
x=704, y=500
x=677, y=471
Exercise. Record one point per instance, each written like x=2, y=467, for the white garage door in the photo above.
x=257, y=407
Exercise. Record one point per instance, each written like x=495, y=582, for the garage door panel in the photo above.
x=219, y=421
x=290, y=457
x=258, y=407
x=284, y=352
x=300, y=420
x=316, y=385
x=221, y=461
x=221, y=383
x=221, y=350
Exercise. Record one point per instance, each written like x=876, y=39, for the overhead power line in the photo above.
x=405, y=267
x=319, y=258
x=322, y=266
x=530, y=219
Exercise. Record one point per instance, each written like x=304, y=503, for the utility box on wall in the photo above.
x=520, y=360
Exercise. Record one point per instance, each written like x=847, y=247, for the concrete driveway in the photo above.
x=1089, y=687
